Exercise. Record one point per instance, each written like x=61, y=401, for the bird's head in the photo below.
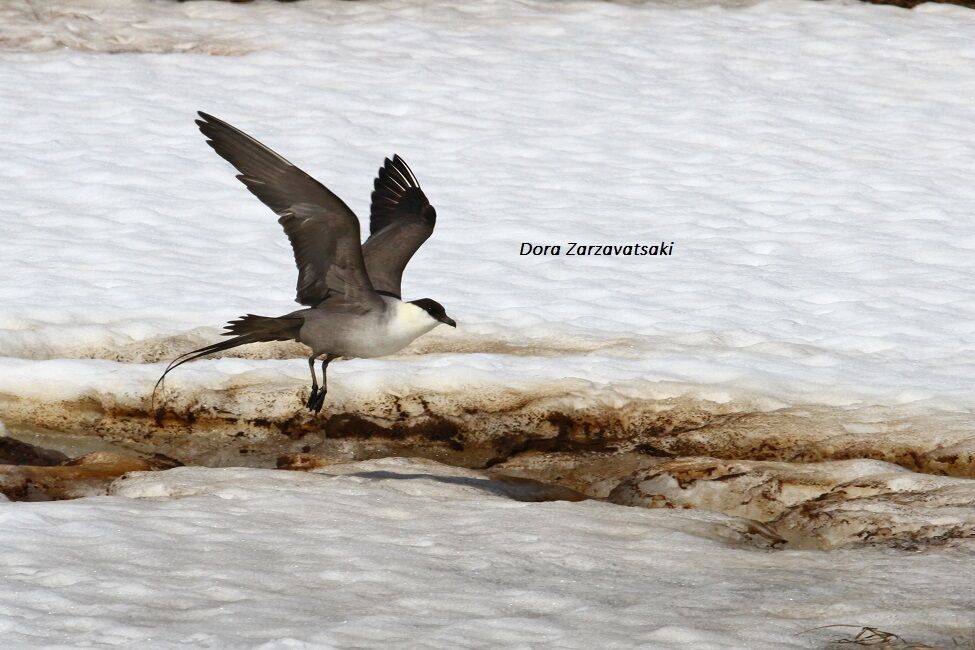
x=435, y=310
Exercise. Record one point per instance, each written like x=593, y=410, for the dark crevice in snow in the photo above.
x=797, y=473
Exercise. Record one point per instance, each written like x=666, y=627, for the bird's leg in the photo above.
x=315, y=403
x=314, y=382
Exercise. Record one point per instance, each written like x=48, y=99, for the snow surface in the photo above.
x=811, y=162
x=405, y=553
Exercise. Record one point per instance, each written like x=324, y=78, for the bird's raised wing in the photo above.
x=324, y=232
x=400, y=220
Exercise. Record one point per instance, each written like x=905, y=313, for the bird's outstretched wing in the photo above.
x=400, y=220
x=324, y=232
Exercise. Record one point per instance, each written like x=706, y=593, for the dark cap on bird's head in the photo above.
x=435, y=309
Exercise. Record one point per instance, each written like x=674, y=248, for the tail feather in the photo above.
x=282, y=328
x=246, y=329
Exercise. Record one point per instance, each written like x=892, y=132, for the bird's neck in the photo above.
x=407, y=321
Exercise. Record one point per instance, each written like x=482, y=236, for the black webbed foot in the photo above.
x=310, y=404
x=316, y=401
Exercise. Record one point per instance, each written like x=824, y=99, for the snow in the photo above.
x=810, y=161
x=397, y=553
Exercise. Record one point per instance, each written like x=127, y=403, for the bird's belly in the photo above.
x=362, y=343
x=357, y=337
x=366, y=347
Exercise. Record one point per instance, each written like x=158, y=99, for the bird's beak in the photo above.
x=447, y=320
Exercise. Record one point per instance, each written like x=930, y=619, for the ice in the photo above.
x=815, y=505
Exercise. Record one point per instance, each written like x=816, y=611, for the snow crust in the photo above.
x=397, y=553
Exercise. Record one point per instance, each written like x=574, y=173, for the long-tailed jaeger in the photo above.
x=351, y=290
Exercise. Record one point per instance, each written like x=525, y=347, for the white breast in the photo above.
x=406, y=321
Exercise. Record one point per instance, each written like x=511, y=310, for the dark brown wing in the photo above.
x=400, y=220
x=324, y=232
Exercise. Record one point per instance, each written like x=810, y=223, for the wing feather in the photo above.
x=323, y=231
x=400, y=220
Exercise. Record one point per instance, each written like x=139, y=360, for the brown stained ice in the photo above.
x=804, y=477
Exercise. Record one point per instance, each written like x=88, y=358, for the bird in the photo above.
x=353, y=306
